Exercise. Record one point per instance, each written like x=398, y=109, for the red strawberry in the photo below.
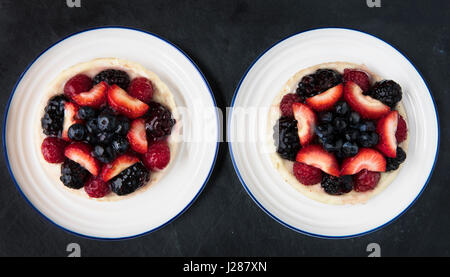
x=80, y=153
x=366, y=180
x=125, y=104
x=137, y=136
x=366, y=158
x=70, y=113
x=286, y=103
x=358, y=77
x=94, y=98
x=77, y=84
x=113, y=169
x=306, y=174
x=316, y=156
x=142, y=89
x=95, y=187
x=365, y=105
x=386, y=129
x=53, y=150
x=326, y=99
x=307, y=121
x=157, y=157
x=402, y=130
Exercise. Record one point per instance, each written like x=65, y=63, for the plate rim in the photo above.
x=118, y=27
x=230, y=147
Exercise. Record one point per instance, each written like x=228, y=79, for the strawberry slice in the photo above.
x=70, y=113
x=93, y=98
x=316, y=156
x=327, y=99
x=386, y=129
x=365, y=105
x=366, y=158
x=137, y=136
x=125, y=104
x=306, y=122
x=113, y=169
x=80, y=153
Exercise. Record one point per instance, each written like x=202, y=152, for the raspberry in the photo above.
x=53, y=149
x=77, y=84
x=358, y=77
x=366, y=180
x=96, y=188
x=286, y=103
x=306, y=174
x=402, y=130
x=157, y=157
x=142, y=89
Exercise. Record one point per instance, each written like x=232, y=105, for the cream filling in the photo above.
x=284, y=167
x=161, y=95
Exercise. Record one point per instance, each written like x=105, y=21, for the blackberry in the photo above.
x=53, y=119
x=337, y=185
x=387, y=91
x=130, y=179
x=112, y=76
x=159, y=122
x=286, y=138
x=73, y=175
x=320, y=81
x=120, y=145
x=394, y=163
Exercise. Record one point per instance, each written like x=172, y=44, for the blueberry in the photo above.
x=342, y=108
x=104, y=137
x=367, y=126
x=106, y=122
x=91, y=139
x=350, y=149
x=368, y=139
x=353, y=119
x=327, y=139
x=340, y=124
x=122, y=125
x=120, y=145
x=85, y=113
x=351, y=135
x=329, y=147
x=324, y=130
x=105, y=154
x=91, y=126
x=326, y=117
x=77, y=132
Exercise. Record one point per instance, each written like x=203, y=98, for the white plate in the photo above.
x=263, y=82
x=154, y=207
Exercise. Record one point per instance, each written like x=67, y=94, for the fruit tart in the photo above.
x=107, y=128
x=338, y=132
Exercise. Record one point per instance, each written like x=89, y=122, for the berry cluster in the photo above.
x=343, y=131
x=107, y=132
x=340, y=131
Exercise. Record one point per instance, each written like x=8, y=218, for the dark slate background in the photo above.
x=224, y=38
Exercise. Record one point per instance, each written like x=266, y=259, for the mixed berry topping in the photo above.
x=100, y=131
x=341, y=131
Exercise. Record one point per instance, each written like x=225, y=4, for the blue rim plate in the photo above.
x=265, y=59
x=113, y=28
